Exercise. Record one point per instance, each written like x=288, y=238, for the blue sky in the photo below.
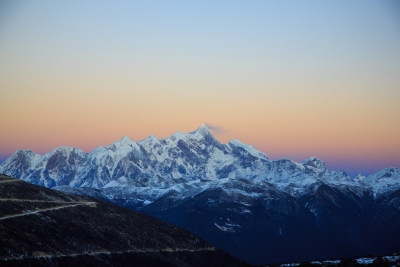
x=293, y=78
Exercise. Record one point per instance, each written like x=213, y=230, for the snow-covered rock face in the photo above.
x=58, y=167
x=387, y=179
x=313, y=162
x=19, y=163
x=183, y=162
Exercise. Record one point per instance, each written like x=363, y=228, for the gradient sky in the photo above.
x=293, y=78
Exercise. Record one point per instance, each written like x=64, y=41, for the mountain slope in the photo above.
x=276, y=227
x=47, y=227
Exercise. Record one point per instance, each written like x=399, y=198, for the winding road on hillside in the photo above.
x=72, y=204
x=9, y=181
x=103, y=252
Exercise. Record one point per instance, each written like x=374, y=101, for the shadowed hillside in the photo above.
x=40, y=226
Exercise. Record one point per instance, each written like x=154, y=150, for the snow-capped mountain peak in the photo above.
x=98, y=150
x=177, y=161
x=249, y=148
x=125, y=139
x=202, y=130
x=387, y=179
x=123, y=145
x=315, y=163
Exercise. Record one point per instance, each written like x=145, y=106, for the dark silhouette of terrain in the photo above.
x=44, y=227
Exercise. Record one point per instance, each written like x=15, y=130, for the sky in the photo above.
x=295, y=79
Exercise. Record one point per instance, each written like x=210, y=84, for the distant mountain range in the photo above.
x=258, y=209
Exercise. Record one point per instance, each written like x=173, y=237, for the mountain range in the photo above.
x=232, y=195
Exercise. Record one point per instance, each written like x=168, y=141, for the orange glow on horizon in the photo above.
x=310, y=87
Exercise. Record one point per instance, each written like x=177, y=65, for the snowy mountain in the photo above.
x=195, y=159
x=230, y=194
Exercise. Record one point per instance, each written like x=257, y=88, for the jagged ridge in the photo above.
x=177, y=160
